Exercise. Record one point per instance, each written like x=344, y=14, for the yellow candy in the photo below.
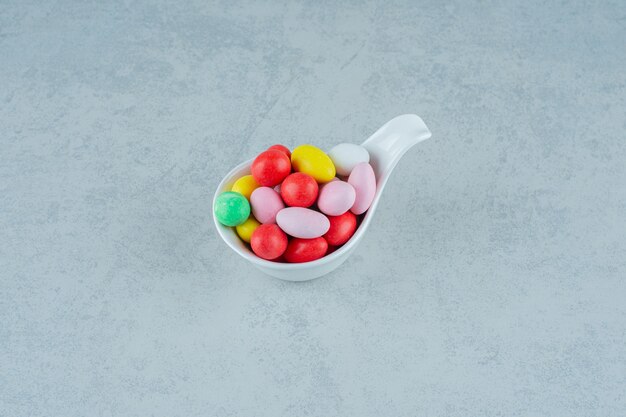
x=312, y=161
x=246, y=229
x=245, y=185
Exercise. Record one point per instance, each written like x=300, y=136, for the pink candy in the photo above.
x=336, y=198
x=266, y=203
x=363, y=180
x=302, y=222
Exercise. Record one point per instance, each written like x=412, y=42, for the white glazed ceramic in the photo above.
x=386, y=147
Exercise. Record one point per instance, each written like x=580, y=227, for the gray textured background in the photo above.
x=492, y=282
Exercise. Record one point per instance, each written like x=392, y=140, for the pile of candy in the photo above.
x=300, y=210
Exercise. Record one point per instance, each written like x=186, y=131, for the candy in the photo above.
x=363, y=180
x=270, y=167
x=303, y=215
x=336, y=198
x=302, y=222
x=231, y=208
x=310, y=160
x=245, y=185
x=245, y=229
x=280, y=259
x=346, y=156
x=268, y=241
x=305, y=250
x=281, y=148
x=299, y=190
x=341, y=228
x=265, y=204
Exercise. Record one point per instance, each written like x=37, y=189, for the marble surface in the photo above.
x=491, y=283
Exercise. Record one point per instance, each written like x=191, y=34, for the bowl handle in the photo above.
x=393, y=140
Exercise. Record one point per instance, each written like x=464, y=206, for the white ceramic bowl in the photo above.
x=386, y=147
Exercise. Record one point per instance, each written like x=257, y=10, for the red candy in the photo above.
x=271, y=167
x=268, y=241
x=299, y=190
x=281, y=148
x=305, y=250
x=341, y=228
x=331, y=249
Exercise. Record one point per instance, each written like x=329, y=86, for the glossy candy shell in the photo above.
x=281, y=148
x=336, y=198
x=305, y=250
x=302, y=222
x=268, y=241
x=246, y=229
x=299, y=190
x=346, y=156
x=245, y=185
x=270, y=168
x=341, y=228
x=266, y=203
x=363, y=180
x=314, y=162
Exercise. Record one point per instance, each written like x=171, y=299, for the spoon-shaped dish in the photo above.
x=385, y=147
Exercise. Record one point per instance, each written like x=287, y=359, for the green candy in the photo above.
x=231, y=208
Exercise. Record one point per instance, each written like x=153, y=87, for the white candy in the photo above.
x=346, y=156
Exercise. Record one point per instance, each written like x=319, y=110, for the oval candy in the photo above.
x=311, y=160
x=341, y=228
x=305, y=250
x=265, y=204
x=299, y=190
x=336, y=198
x=270, y=167
x=363, y=180
x=346, y=156
x=268, y=241
x=245, y=185
x=281, y=148
x=302, y=222
x=245, y=229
